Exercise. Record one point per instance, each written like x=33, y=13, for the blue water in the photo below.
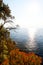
x=22, y=39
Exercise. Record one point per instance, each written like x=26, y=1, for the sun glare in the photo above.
x=31, y=17
x=33, y=21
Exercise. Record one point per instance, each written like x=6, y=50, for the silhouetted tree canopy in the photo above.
x=5, y=12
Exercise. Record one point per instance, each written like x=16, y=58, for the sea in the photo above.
x=25, y=43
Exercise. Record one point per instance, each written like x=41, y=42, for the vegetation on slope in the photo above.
x=11, y=55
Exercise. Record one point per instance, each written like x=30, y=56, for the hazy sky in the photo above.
x=28, y=13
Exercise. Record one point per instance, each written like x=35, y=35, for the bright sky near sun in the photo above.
x=28, y=13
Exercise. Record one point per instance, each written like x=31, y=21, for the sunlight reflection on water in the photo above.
x=31, y=44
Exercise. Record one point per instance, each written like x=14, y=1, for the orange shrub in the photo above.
x=21, y=58
x=17, y=57
x=5, y=62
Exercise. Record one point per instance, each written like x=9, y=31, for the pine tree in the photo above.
x=5, y=12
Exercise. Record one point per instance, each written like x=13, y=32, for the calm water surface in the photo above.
x=23, y=41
